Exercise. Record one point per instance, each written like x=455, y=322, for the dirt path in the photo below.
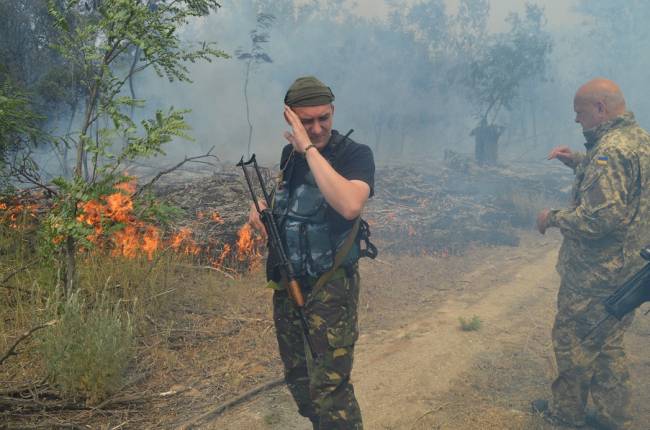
x=426, y=373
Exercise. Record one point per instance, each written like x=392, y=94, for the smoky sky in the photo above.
x=385, y=87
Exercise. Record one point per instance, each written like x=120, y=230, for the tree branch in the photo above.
x=12, y=350
x=171, y=169
x=14, y=273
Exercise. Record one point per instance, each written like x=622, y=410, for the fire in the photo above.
x=15, y=214
x=215, y=217
x=114, y=226
x=247, y=251
x=134, y=237
x=222, y=257
x=183, y=242
x=246, y=246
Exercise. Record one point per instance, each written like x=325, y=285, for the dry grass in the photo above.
x=86, y=355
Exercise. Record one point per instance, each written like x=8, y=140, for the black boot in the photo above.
x=594, y=422
x=542, y=408
x=315, y=422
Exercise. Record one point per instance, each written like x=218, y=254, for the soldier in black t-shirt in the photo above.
x=325, y=182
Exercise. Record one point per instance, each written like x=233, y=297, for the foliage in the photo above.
x=86, y=356
x=96, y=41
x=31, y=72
x=88, y=352
x=506, y=61
x=18, y=121
x=473, y=324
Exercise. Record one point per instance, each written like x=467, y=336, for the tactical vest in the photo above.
x=304, y=219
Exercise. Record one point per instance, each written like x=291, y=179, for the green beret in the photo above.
x=308, y=91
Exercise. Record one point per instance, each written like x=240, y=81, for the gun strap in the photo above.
x=339, y=257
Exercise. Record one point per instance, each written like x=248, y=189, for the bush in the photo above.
x=87, y=353
x=473, y=324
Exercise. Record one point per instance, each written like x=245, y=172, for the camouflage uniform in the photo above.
x=604, y=230
x=322, y=388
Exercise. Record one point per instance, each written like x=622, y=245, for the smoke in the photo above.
x=394, y=76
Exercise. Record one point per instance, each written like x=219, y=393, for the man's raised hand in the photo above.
x=564, y=154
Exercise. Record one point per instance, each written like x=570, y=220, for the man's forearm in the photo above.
x=581, y=223
x=345, y=196
x=577, y=159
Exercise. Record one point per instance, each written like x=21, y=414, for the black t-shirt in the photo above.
x=352, y=160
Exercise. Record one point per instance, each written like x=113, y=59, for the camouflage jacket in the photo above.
x=608, y=221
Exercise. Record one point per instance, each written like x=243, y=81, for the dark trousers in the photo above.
x=321, y=387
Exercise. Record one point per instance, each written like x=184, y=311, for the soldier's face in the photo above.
x=317, y=121
x=589, y=113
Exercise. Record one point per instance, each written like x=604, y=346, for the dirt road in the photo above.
x=416, y=369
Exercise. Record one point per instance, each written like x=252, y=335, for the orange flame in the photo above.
x=246, y=252
x=183, y=242
x=222, y=257
x=13, y=213
x=216, y=217
x=136, y=236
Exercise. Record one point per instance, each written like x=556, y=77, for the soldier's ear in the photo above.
x=600, y=105
x=332, y=104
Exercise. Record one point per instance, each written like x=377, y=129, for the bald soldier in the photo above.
x=603, y=229
x=325, y=182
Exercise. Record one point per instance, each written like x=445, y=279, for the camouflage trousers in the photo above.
x=321, y=387
x=596, y=366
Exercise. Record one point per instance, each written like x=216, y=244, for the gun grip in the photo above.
x=296, y=293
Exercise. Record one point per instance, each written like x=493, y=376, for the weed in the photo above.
x=88, y=352
x=272, y=419
x=473, y=324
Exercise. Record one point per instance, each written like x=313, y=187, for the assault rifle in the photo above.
x=276, y=247
x=632, y=294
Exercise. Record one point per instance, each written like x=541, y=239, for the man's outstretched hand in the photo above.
x=565, y=155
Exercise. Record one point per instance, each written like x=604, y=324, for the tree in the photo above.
x=495, y=76
x=252, y=59
x=95, y=37
x=34, y=72
x=18, y=124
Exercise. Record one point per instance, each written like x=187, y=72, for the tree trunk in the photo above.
x=70, y=272
x=486, y=147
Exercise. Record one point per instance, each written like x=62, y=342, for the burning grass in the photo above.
x=130, y=271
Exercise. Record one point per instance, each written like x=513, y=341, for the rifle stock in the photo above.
x=633, y=293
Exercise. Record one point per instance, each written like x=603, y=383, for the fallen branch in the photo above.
x=12, y=350
x=212, y=413
x=52, y=425
x=171, y=169
x=138, y=398
x=21, y=389
x=8, y=277
x=216, y=269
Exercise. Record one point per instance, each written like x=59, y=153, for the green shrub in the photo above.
x=87, y=353
x=473, y=324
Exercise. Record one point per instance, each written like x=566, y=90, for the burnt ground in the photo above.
x=414, y=367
